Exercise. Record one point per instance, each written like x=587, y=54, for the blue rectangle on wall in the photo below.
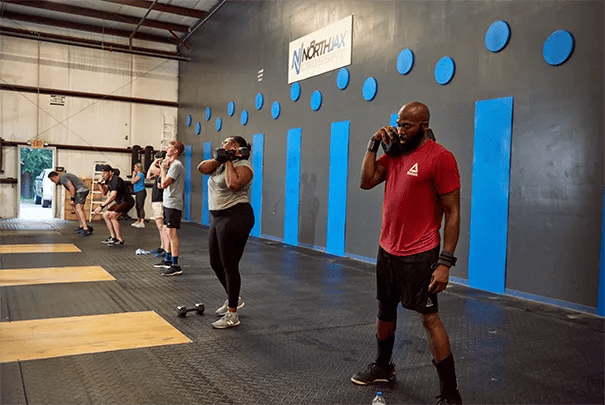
x=187, y=197
x=292, y=197
x=490, y=194
x=205, y=211
x=256, y=194
x=601, y=292
x=337, y=188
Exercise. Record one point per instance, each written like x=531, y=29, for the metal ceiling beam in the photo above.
x=201, y=22
x=165, y=8
x=96, y=96
x=85, y=27
x=102, y=15
x=140, y=23
x=87, y=43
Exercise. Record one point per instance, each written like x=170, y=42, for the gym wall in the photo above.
x=535, y=229
x=80, y=121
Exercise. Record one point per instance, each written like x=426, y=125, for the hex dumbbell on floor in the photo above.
x=181, y=311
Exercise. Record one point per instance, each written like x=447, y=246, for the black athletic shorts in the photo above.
x=405, y=279
x=172, y=218
x=124, y=206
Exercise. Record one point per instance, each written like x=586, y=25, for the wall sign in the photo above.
x=57, y=100
x=321, y=51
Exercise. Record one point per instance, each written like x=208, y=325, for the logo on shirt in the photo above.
x=413, y=170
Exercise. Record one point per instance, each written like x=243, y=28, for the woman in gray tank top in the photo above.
x=231, y=220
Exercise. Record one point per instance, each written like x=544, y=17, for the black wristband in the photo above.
x=102, y=206
x=447, y=259
x=373, y=145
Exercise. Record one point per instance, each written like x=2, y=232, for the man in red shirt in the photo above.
x=422, y=185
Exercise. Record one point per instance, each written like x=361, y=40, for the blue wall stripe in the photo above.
x=205, y=211
x=394, y=119
x=601, y=307
x=187, y=197
x=256, y=193
x=292, y=197
x=490, y=194
x=337, y=188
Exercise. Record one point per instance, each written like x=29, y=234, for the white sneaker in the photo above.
x=141, y=225
x=229, y=320
x=134, y=224
x=225, y=308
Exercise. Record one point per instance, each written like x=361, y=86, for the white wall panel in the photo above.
x=18, y=112
x=81, y=121
x=155, y=78
x=18, y=61
x=54, y=67
x=9, y=193
x=147, y=124
x=101, y=72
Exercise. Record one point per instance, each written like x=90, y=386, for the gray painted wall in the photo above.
x=557, y=149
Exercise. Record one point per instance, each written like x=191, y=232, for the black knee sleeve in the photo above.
x=387, y=312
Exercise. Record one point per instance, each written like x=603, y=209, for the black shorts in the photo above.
x=80, y=197
x=172, y=218
x=405, y=279
x=124, y=206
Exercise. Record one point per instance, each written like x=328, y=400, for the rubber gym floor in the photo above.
x=86, y=323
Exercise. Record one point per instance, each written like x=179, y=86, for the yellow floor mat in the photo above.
x=53, y=275
x=57, y=337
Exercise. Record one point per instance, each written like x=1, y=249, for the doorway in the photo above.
x=37, y=192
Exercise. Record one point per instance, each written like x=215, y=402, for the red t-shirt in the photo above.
x=411, y=212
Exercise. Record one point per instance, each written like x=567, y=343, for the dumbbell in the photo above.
x=181, y=311
x=222, y=155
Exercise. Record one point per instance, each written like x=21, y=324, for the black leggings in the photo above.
x=229, y=231
x=140, y=203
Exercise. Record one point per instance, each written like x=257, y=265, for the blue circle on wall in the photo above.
x=275, y=110
x=189, y=120
x=231, y=108
x=405, y=61
x=370, y=87
x=316, y=100
x=342, y=79
x=444, y=70
x=295, y=91
x=198, y=128
x=244, y=117
x=260, y=100
x=219, y=124
x=208, y=113
x=497, y=36
x=558, y=47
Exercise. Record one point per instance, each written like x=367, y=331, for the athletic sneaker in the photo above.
x=109, y=240
x=229, y=320
x=225, y=308
x=86, y=232
x=374, y=373
x=173, y=271
x=116, y=243
x=163, y=264
x=449, y=400
x=79, y=229
x=158, y=250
